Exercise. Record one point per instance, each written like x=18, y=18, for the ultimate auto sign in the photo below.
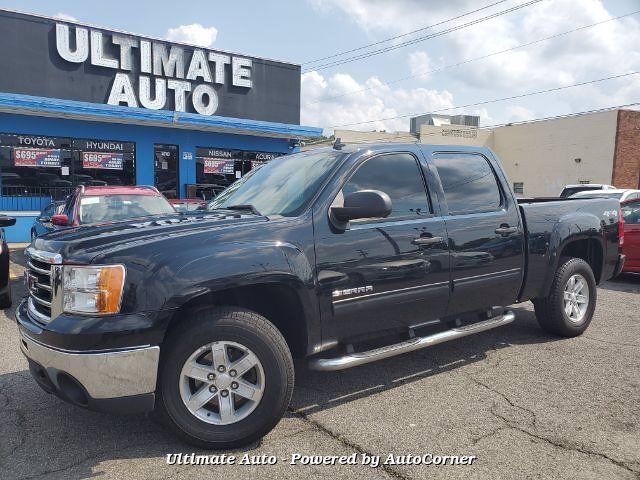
x=59, y=59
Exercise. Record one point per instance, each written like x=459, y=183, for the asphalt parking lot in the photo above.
x=528, y=405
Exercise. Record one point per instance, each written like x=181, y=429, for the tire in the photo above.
x=230, y=330
x=552, y=311
x=5, y=298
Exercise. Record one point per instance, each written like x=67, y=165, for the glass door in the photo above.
x=165, y=164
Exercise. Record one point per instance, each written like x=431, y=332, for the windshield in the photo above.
x=283, y=186
x=110, y=208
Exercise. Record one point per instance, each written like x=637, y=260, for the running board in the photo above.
x=355, y=359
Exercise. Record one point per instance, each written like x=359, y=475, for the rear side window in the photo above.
x=399, y=176
x=469, y=183
x=631, y=213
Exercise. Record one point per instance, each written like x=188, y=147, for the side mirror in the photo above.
x=7, y=221
x=363, y=204
x=60, y=219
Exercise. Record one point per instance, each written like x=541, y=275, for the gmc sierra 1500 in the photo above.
x=341, y=256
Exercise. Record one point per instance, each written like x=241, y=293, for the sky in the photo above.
x=381, y=92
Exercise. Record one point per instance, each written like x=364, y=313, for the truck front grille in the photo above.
x=38, y=278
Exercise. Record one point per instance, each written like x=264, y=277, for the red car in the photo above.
x=91, y=205
x=631, y=245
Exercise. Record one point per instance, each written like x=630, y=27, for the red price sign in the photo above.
x=214, y=165
x=36, y=157
x=102, y=160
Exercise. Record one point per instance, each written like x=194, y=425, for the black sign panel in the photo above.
x=58, y=59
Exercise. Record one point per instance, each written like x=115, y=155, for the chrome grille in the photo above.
x=38, y=276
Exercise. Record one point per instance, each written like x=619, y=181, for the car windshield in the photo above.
x=110, y=208
x=283, y=186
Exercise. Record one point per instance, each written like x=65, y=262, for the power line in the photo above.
x=464, y=62
x=486, y=102
x=419, y=39
x=363, y=47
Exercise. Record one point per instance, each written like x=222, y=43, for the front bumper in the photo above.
x=121, y=381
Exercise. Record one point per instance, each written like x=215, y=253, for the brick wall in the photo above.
x=626, y=159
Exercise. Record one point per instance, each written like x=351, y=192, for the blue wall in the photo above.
x=144, y=137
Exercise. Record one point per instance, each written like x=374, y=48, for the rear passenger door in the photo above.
x=631, y=246
x=485, y=235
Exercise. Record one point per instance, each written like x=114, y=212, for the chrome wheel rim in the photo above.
x=576, y=298
x=222, y=383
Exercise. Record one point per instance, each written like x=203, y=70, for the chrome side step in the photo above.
x=355, y=359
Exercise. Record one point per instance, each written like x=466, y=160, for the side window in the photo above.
x=399, y=176
x=631, y=212
x=469, y=183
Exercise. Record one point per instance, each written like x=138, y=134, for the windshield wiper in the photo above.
x=248, y=206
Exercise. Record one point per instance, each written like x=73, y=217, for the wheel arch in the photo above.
x=280, y=303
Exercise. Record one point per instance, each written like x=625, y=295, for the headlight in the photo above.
x=92, y=289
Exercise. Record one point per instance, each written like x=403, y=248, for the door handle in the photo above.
x=505, y=230
x=427, y=240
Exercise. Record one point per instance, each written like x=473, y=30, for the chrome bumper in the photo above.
x=104, y=375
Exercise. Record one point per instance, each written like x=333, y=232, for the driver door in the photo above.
x=388, y=273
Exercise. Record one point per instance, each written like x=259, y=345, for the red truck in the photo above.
x=631, y=244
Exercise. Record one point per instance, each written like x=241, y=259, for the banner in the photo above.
x=102, y=160
x=215, y=165
x=36, y=157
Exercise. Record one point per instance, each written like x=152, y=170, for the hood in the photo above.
x=82, y=244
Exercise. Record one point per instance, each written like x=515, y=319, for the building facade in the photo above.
x=541, y=157
x=81, y=105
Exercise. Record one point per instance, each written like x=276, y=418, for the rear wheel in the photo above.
x=568, y=309
x=226, y=380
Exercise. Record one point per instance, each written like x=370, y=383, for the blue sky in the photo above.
x=358, y=92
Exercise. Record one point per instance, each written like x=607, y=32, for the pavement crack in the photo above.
x=510, y=423
x=346, y=442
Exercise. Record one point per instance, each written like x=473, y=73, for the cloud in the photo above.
x=378, y=101
x=518, y=113
x=194, y=34
x=607, y=49
x=65, y=16
x=419, y=65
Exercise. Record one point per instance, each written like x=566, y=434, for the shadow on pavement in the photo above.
x=70, y=437
x=625, y=282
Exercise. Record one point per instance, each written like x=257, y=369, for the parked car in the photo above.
x=42, y=224
x=631, y=244
x=569, y=190
x=622, y=195
x=99, y=204
x=187, y=204
x=339, y=256
x=5, y=278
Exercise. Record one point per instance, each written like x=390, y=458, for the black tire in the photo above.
x=232, y=325
x=5, y=298
x=550, y=310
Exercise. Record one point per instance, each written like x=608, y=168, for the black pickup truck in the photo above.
x=339, y=256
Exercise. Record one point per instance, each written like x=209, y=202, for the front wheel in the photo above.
x=226, y=380
x=568, y=309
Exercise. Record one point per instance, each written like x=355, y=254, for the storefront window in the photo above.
x=103, y=162
x=37, y=169
x=217, y=168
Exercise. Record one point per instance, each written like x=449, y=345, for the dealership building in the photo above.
x=541, y=157
x=81, y=105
